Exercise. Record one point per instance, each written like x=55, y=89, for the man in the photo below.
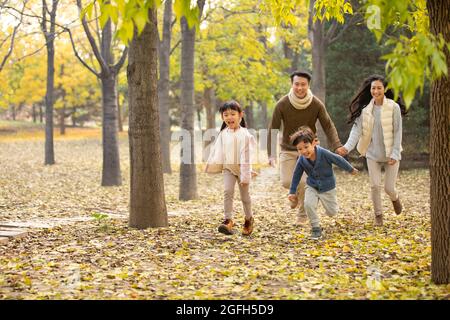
x=299, y=108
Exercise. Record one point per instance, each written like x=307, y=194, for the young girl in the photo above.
x=317, y=162
x=377, y=131
x=232, y=154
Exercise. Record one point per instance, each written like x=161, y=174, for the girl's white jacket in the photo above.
x=233, y=150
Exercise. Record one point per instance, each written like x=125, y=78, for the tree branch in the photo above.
x=101, y=61
x=78, y=56
x=13, y=36
x=121, y=61
x=330, y=38
x=174, y=47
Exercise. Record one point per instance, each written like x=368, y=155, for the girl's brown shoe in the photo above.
x=227, y=227
x=248, y=227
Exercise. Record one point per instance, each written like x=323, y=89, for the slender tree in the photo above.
x=188, y=176
x=48, y=28
x=163, y=86
x=111, y=175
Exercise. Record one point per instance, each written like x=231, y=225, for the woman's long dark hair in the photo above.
x=363, y=97
x=231, y=105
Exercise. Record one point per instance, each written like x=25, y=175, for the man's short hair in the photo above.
x=302, y=74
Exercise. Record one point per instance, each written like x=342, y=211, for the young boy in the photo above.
x=321, y=183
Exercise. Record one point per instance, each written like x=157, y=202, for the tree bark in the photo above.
x=41, y=114
x=13, y=112
x=111, y=175
x=49, y=34
x=119, y=108
x=188, y=175
x=210, y=108
x=249, y=116
x=163, y=87
x=439, y=13
x=318, y=88
x=147, y=204
x=62, y=118
x=264, y=116
x=34, y=115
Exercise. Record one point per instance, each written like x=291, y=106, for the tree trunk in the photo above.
x=62, y=118
x=210, y=108
x=49, y=35
x=13, y=112
x=41, y=114
x=188, y=176
x=439, y=12
x=292, y=56
x=147, y=204
x=318, y=44
x=119, y=108
x=208, y=103
x=318, y=74
x=111, y=161
x=34, y=115
x=119, y=114
x=264, y=116
x=163, y=87
x=249, y=116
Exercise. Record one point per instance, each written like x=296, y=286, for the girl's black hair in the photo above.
x=363, y=97
x=231, y=105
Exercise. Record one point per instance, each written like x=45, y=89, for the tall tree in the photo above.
x=439, y=15
x=147, y=205
x=48, y=28
x=111, y=175
x=163, y=86
x=188, y=175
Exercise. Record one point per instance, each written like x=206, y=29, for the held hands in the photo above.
x=292, y=197
x=392, y=161
x=341, y=151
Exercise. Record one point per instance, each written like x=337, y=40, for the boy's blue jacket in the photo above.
x=320, y=173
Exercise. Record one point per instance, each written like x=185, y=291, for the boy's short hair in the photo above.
x=303, y=134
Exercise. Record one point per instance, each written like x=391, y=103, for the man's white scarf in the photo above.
x=300, y=103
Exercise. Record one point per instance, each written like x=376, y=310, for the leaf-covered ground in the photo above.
x=104, y=259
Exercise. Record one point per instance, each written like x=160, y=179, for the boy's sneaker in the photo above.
x=226, y=227
x=248, y=227
x=316, y=233
x=379, y=220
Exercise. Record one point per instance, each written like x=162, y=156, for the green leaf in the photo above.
x=87, y=10
x=141, y=19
